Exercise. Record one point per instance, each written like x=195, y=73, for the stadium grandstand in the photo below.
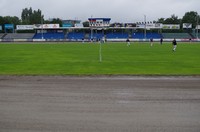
x=75, y=35
x=148, y=36
x=79, y=36
x=98, y=28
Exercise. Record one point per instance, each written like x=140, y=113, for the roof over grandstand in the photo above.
x=118, y=10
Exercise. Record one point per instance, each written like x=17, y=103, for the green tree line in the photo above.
x=28, y=17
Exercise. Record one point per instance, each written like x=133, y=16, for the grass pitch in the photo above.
x=83, y=59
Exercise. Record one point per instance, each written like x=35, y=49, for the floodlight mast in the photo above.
x=145, y=27
x=197, y=35
x=42, y=26
x=91, y=29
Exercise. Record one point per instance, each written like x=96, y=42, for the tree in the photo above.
x=2, y=20
x=86, y=24
x=54, y=21
x=172, y=20
x=30, y=16
x=11, y=20
x=25, y=15
x=190, y=17
x=161, y=20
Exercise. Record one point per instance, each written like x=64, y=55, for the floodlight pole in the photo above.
x=42, y=27
x=197, y=27
x=91, y=28
x=145, y=27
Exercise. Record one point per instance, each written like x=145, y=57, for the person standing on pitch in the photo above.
x=174, y=44
x=161, y=41
x=128, y=42
x=151, y=40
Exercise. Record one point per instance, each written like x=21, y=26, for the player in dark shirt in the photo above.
x=128, y=42
x=174, y=44
x=151, y=40
x=161, y=41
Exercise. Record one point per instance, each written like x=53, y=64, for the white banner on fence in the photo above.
x=25, y=27
x=198, y=27
x=150, y=25
x=46, y=26
x=171, y=26
x=187, y=25
x=78, y=25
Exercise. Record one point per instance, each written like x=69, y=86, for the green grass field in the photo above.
x=83, y=59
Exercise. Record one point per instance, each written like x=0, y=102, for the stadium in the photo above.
x=65, y=78
x=73, y=30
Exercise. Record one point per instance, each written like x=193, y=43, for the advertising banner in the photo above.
x=130, y=25
x=150, y=25
x=78, y=25
x=66, y=25
x=153, y=25
x=25, y=27
x=46, y=26
x=171, y=26
x=187, y=25
x=140, y=25
x=9, y=26
x=198, y=27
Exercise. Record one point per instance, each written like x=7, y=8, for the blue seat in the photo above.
x=148, y=35
x=74, y=35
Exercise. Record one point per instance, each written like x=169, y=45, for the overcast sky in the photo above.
x=117, y=10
